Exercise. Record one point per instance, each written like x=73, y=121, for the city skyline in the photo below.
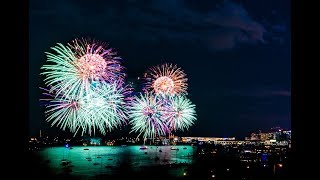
x=238, y=67
x=52, y=131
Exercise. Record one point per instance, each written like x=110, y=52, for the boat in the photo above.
x=174, y=148
x=86, y=149
x=145, y=152
x=143, y=147
x=64, y=163
x=110, y=159
x=160, y=150
x=184, y=148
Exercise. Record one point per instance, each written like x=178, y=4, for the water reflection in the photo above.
x=95, y=160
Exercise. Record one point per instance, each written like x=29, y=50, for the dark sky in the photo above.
x=236, y=54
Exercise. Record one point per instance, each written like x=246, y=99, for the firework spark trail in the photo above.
x=87, y=91
x=86, y=87
x=72, y=68
x=146, y=117
x=102, y=108
x=179, y=113
x=165, y=79
x=164, y=107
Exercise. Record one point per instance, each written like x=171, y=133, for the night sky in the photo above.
x=236, y=54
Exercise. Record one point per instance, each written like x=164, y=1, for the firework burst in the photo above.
x=145, y=116
x=72, y=68
x=165, y=79
x=102, y=108
x=179, y=112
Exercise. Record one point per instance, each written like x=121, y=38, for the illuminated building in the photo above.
x=288, y=134
x=166, y=141
x=276, y=133
x=267, y=136
x=205, y=139
x=255, y=136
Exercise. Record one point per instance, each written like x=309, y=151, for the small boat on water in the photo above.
x=98, y=157
x=143, y=147
x=145, y=152
x=64, y=163
x=160, y=150
x=184, y=148
x=174, y=148
x=85, y=149
x=110, y=159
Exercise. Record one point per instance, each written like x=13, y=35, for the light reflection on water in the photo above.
x=106, y=159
